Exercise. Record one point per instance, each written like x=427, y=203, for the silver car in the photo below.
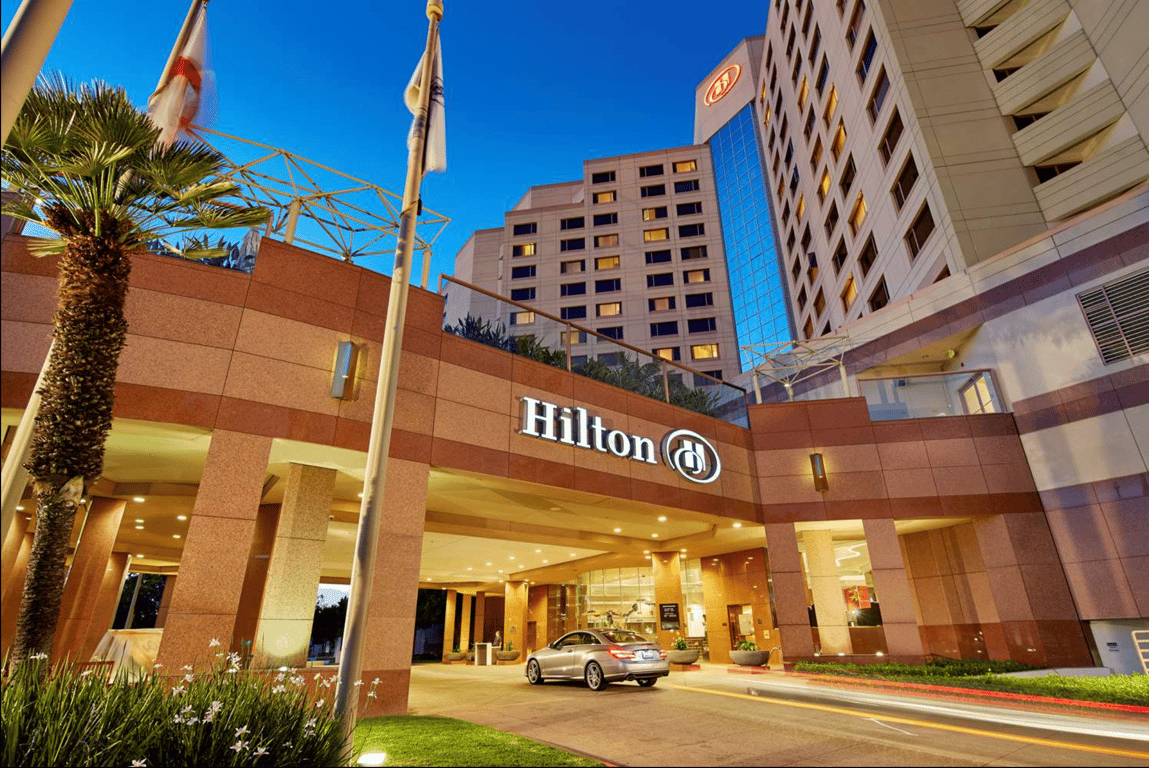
x=599, y=656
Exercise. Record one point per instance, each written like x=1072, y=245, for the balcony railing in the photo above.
x=474, y=313
x=927, y=395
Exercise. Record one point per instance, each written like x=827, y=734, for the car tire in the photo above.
x=595, y=679
x=647, y=682
x=534, y=673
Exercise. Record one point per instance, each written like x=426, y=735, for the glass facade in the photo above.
x=756, y=285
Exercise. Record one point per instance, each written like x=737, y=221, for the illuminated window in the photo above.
x=977, y=395
x=696, y=276
x=650, y=214
x=604, y=197
x=685, y=166
x=849, y=293
x=576, y=337
x=839, y=142
x=606, y=241
x=831, y=106
x=610, y=309
x=858, y=215
x=525, y=229
x=808, y=329
x=523, y=249
x=800, y=208
x=606, y=262
x=816, y=155
x=660, y=304
x=668, y=353
x=654, y=235
x=703, y=351
x=819, y=303
x=522, y=318
x=803, y=92
x=578, y=265
x=824, y=186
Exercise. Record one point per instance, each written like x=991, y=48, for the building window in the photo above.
x=824, y=186
x=878, y=97
x=522, y=294
x=519, y=273
x=794, y=179
x=815, y=45
x=660, y=304
x=702, y=325
x=803, y=93
x=605, y=219
x=831, y=220
x=855, y=24
x=572, y=289
x=977, y=395
x=819, y=303
x=606, y=262
x=574, y=244
x=699, y=300
x=868, y=256
x=667, y=353
x=691, y=230
x=654, y=190
x=650, y=170
x=650, y=214
x=685, y=166
x=1024, y=121
x=604, y=197
x=890, y=138
x=905, y=182
x=920, y=231
x=654, y=235
x=577, y=265
x=808, y=329
x=796, y=271
x=694, y=252
x=668, y=328
x=849, y=293
x=659, y=280
x=831, y=106
x=606, y=241
x=868, y=51
x=802, y=300
x=522, y=249
x=1046, y=172
x=657, y=257
x=808, y=128
x=686, y=209
x=689, y=185
x=816, y=154
x=575, y=222
x=696, y=276
x=576, y=337
x=703, y=351
x=800, y=208
x=839, y=142
x=612, y=332
x=858, y=215
x=573, y=313
x=522, y=318
x=609, y=309
x=880, y=297
x=525, y=229
x=1118, y=316
x=849, y=171
x=823, y=73
x=601, y=177
x=608, y=286
x=840, y=255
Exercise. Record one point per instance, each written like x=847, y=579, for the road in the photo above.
x=713, y=717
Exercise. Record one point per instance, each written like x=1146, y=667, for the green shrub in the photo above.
x=679, y=644
x=62, y=716
x=747, y=645
x=932, y=669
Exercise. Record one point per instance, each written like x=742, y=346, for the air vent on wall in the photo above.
x=1118, y=316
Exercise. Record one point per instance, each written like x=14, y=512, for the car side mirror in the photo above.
x=555, y=645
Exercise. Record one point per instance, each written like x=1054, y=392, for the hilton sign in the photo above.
x=687, y=453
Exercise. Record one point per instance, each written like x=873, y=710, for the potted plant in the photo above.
x=680, y=652
x=507, y=654
x=748, y=655
x=455, y=655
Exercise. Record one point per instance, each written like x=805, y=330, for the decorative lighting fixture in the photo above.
x=662, y=518
x=343, y=377
x=181, y=517
x=618, y=530
x=19, y=507
x=738, y=525
x=818, y=466
x=138, y=498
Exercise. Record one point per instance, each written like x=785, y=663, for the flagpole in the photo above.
x=25, y=46
x=383, y=418
x=181, y=41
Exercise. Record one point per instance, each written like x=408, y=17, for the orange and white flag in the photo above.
x=175, y=106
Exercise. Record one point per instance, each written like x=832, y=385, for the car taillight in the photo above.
x=620, y=653
x=661, y=654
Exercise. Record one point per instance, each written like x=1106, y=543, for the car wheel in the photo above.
x=647, y=682
x=595, y=680
x=534, y=674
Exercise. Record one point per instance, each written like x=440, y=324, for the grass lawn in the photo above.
x=431, y=740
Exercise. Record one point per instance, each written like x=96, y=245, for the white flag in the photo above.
x=174, y=107
x=435, y=151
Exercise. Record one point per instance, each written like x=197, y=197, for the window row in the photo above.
x=645, y=171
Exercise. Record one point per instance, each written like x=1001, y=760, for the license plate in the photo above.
x=648, y=654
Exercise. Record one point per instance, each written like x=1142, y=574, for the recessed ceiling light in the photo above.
x=662, y=518
x=738, y=525
x=512, y=557
x=553, y=509
x=175, y=535
x=139, y=527
x=500, y=570
x=682, y=550
x=361, y=495
x=137, y=498
x=537, y=551
x=181, y=517
x=654, y=535
x=139, y=556
x=468, y=569
x=19, y=508
x=488, y=563
x=572, y=554
x=546, y=561
x=646, y=551
x=139, y=519
x=618, y=530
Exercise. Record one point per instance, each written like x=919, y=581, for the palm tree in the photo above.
x=86, y=160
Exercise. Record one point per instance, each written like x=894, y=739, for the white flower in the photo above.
x=186, y=668
x=320, y=703
x=371, y=694
x=358, y=683
x=193, y=720
x=216, y=706
x=177, y=690
x=185, y=710
x=376, y=681
x=287, y=745
x=214, y=642
x=85, y=673
x=240, y=731
x=279, y=678
x=140, y=763
x=261, y=751
x=239, y=746
x=157, y=665
x=310, y=723
x=189, y=677
x=177, y=719
x=279, y=689
x=38, y=656
x=209, y=717
x=233, y=670
x=232, y=658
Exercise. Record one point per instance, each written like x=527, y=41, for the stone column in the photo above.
x=789, y=583
x=12, y=543
x=829, y=602
x=480, y=616
x=391, y=612
x=86, y=576
x=14, y=594
x=107, y=601
x=899, y=622
x=216, y=549
x=449, y=623
x=465, y=624
x=666, y=570
x=289, y=592
x=515, y=615
x=255, y=578
x=166, y=600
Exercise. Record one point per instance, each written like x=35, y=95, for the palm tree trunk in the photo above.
x=75, y=413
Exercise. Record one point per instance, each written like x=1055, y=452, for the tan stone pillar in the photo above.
x=515, y=615
x=14, y=593
x=166, y=600
x=789, y=582
x=449, y=623
x=216, y=549
x=86, y=576
x=255, y=578
x=391, y=613
x=666, y=570
x=107, y=601
x=289, y=592
x=899, y=622
x=829, y=602
x=12, y=543
x=480, y=616
x=465, y=624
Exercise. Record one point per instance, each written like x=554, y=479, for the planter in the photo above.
x=682, y=657
x=750, y=658
x=455, y=656
x=470, y=655
x=506, y=655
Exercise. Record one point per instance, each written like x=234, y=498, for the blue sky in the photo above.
x=532, y=88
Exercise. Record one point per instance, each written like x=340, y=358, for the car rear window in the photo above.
x=623, y=636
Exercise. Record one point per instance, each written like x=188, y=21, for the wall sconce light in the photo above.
x=343, y=377
x=818, y=466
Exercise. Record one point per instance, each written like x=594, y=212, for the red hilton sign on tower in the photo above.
x=722, y=83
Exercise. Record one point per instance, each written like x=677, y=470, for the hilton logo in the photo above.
x=721, y=84
x=686, y=452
